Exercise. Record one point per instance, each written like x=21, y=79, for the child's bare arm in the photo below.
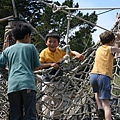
x=46, y=65
x=37, y=68
x=78, y=55
x=117, y=35
x=115, y=49
x=6, y=42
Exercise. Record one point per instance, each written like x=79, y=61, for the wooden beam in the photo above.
x=6, y=18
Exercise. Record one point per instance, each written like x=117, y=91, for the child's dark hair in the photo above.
x=106, y=37
x=20, y=30
x=52, y=34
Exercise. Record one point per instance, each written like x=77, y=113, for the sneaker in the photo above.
x=101, y=114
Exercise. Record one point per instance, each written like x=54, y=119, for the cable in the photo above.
x=105, y=11
x=60, y=8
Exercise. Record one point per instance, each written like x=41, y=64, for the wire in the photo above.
x=99, y=8
x=61, y=8
x=105, y=11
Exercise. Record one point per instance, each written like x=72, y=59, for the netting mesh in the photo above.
x=72, y=89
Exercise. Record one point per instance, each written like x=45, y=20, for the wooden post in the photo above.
x=8, y=39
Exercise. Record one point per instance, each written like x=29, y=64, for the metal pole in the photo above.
x=14, y=8
x=87, y=21
x=57, y=8
x=66, y=57
x=68, y=25
x=99, y=8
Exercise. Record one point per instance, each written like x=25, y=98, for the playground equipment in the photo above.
x=72, y=88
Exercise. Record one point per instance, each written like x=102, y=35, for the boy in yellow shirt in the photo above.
x=50, y=56
x=101, y=73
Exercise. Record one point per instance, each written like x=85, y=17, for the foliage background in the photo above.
x=42, y=18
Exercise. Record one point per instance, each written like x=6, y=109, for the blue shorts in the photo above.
x=101, y=84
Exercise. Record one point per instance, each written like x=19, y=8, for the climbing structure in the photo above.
x=72, y=89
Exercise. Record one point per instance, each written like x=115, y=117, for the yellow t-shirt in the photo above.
x=46, y=56
x=103, y=61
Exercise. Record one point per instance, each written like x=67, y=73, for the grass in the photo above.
x=117, y=82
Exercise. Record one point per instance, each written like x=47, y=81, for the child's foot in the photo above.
x=101, y=114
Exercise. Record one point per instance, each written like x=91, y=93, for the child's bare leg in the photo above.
x=98, y=101
x=107, y=110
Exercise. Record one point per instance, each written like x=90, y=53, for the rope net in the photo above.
x=72, y=90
